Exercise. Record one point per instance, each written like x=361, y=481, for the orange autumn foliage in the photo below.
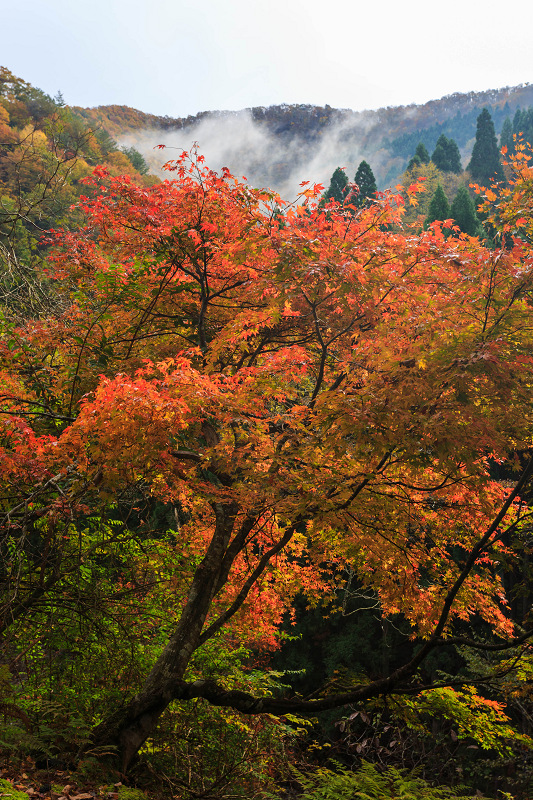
x=313, y=388
x=356, y=379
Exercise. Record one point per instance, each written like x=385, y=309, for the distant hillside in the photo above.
x=294, y=137
x=45, y=155
x=283, y=119
x=311, y=120
x=47, y=150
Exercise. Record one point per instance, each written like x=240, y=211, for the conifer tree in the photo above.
x=422, y=153
x=463, y=211
x=522, y=127
x=446, y=156
x=485, y=166
x=506, y=136
x=365, y=180
x=517, y=120
x=528, y=123
x=440, y=153
x=439, y=208
x=454, y=157
x=337, y=187
x=137, y=159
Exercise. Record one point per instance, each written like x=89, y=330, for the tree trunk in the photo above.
x=127, y=728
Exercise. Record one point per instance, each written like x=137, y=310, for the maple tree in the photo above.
x=300, y=389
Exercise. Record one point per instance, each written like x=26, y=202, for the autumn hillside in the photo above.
x=387, y=136
x=266, y=460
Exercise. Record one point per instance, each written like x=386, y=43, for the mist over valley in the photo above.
x=281, y=146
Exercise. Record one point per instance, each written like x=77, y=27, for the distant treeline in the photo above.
x=461, y=128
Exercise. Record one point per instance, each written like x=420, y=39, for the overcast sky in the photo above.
x=178, y=57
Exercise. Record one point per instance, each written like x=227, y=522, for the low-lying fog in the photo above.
x=280, y=162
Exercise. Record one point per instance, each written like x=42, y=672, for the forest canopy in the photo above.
x=218, y=407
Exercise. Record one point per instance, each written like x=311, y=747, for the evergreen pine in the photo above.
x=137, y=159
x=506, y=136
x=337, y=187
x=454, y=157
x=106, y=142
x=526, y=126
x=517, y=121
x=522, y=127
x=422, y=153
x=528, y=123
x=439, y=208
x=446, y=156
x=440, y=154
x=463, y=211
x=485, y=166
x=365, y=180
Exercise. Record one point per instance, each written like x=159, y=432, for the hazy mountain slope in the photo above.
x=282, y=145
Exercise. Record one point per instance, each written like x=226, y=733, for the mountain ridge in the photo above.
x=304, y=141
x=123, y=118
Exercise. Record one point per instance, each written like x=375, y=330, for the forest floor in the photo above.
x=20, y=781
